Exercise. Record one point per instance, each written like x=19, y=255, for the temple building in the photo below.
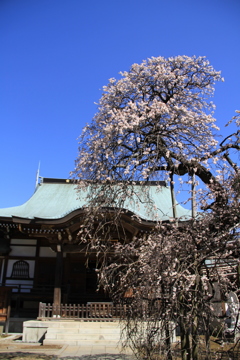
x=41, y=259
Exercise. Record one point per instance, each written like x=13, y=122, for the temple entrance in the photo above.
x=81, y=280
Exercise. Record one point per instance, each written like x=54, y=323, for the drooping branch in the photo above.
x=231, y=163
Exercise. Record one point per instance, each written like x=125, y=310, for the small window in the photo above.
x=20, y=270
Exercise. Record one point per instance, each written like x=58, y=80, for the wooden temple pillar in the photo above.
x=58, y=280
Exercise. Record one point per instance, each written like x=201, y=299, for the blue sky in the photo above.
x=56, y=55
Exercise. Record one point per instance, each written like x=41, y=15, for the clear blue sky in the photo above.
x=55, y=56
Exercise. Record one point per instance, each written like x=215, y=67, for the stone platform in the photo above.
x=74, y=333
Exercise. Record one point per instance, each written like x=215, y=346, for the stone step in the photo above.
x=83, y=333
x=114, y=331
x=71, y=336
x=74, y=332
x=84, y=343
x=81, y=324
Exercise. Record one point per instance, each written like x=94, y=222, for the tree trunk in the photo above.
x=168, y=341
x=195, y=338
x=184, y=331
x=185, y=343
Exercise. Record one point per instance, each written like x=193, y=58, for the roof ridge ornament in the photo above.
x=37, y=176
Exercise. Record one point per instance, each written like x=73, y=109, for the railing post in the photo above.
x=48, y=310
x=42, y=310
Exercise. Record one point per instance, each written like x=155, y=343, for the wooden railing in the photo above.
x=90, y=311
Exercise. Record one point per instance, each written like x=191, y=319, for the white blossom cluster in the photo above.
x=157, y=114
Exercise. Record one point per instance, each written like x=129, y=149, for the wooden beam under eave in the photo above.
x=129, y=226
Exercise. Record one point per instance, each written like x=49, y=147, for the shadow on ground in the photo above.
x=32, y=356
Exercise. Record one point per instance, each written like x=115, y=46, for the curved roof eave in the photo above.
x=59, y=200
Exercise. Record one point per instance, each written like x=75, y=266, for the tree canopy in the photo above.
x=157, y=116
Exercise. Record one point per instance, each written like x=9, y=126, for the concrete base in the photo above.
x=34, y=331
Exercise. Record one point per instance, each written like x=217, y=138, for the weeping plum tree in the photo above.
x=155, y=122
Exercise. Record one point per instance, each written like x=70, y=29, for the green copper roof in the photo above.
x=57, y=198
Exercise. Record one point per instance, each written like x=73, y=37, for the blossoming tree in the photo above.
x=155, y=122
